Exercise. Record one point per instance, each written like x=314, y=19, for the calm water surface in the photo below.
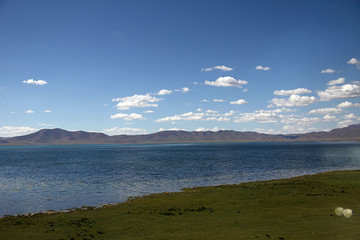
x=40, y=178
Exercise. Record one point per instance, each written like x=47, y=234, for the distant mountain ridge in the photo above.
x=63, y=137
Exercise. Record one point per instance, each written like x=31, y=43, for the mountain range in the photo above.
x=61, y=137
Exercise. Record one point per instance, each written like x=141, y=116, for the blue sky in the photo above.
x=136, y=67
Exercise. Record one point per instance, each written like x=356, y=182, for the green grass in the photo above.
x=296, y=208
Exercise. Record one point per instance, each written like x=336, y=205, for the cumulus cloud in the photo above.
x=290, y=92
x=230, y=113
x=261, y=117
x=124, y=131
x=345, y=123
x=239, y=102
x=222, y=68
x=326, y=111
x=47, y=111
x=149, y=111
x=219, y=100
x=171, y=129
x=226, y=82
x=293, y=129
x=343, y=91
x=182, y=117
x=164, y=92
x=347, y=104
x=35, y=82
x=29, y=111
x=127, y=117
x=201, y=129
x=294, y=101
x=200, y=115
x=350, y=116
x=329, y=118
x=354, y=61
x=184, y=90
x=302, y=121
x=136, y=100
x=340, y=80
x=11, y=131
x=262, y=68
x=328, y=70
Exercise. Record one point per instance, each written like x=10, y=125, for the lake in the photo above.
x=41, y=178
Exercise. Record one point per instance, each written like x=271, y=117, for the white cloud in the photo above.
x=124, y=131
x=171, y=129
x=208, y=115
x=326, y=111
x=266, y=131
x=262, y=68
x=345, y=123
x=219, y=100
x=10, y=131
x=149, y=111
x=329, y=118
x=239, y=102
x=231, y=113
x=226, y=82
x=293, y=129
x=305, y=121
x=223, y=119
x=211, y=111
x=136, y=100
x=182, y=117
x=164, y=92
x=201, y=129
x=29, y=111
x=347, y=104
x=294, y=101
x=127, y=117
x=328, y=70
x=353, y=61
x=199, y=110
x=290, y=92
x=35, y=82
x=343, y=91
x=350, y=116
x=222, y=68
x=47, y=111
x=340, y=80
x=261, y=117
x=205, y=100
x=185, y=89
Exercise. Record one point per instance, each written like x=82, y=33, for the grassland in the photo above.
x=295, y=208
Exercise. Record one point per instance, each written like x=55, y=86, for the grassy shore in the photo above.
x=295, y=208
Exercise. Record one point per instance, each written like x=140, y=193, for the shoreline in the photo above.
x=99, y=206
x=292, y=208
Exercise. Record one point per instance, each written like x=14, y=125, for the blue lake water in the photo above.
x=40, y=178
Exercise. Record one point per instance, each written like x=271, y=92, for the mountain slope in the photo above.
x=60, y=136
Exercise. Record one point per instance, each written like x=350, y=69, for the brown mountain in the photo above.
x=60, y=136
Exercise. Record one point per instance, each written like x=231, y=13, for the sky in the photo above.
x=139, y=67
